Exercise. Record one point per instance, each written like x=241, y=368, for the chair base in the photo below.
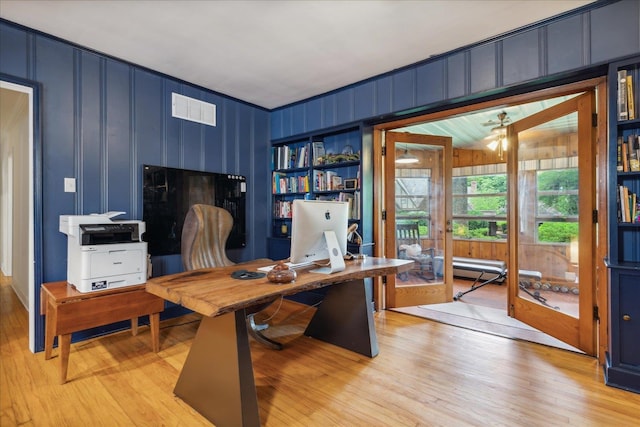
x=255, y=331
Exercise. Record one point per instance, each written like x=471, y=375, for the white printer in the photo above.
x=102, y=253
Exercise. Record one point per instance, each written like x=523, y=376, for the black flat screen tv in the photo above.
x=168, y=193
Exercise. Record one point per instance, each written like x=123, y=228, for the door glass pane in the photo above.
x=548, y=191
x=419, y=212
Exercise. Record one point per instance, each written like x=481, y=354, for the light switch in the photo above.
x=69, y=185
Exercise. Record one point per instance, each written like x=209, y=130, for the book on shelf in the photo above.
x=627, y=205
x=319, y=180
x=354, y=203
x=329, y=177
x=625, y=156
x=619, y=166
x=634, y=153
x=289, y=157
x=303, y=156
x=623, y=113
x=282, y=209
x=631, y=110
x=276, y=180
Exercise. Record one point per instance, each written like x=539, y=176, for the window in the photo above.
x=480, y=203
x=557, y=205
x=413, y=187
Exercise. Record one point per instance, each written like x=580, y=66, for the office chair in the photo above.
x=204, y=236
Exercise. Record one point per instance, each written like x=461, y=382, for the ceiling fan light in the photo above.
x=493, y=145
x=406, y=158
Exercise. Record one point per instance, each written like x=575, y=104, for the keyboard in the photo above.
x=291, y=265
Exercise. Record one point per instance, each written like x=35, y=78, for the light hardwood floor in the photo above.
x=427, y=374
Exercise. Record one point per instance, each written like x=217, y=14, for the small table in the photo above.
x=217, y=377
x=68, y=311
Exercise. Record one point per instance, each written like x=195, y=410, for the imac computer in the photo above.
x=319, y=233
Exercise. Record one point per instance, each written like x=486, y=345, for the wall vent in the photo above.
x=192, y=109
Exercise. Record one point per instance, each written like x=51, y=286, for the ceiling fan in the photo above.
x=498, y=133
x=503, y=118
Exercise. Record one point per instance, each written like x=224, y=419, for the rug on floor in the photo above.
x=483, y=319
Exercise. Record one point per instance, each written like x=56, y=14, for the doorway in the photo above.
x=473, y=156
x=17, y=202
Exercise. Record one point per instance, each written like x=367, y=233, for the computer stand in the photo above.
x=336, y=259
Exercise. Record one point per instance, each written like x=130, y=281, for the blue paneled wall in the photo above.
x=604, y=32
x=102, y=119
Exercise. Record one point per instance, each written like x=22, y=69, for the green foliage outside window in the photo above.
x=557, y=232
x=478, y=230
x=562, y=205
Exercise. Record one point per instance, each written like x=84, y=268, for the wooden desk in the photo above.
x=68, y=311
x=217, y=378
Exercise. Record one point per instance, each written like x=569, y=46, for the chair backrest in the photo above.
x=204, y=236
x=407, y=234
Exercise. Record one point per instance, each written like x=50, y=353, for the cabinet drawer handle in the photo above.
x=626, y=317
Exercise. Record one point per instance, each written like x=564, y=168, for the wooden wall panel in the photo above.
x=384, y=95
x=614, y=31
x=15, y=43
x=91, y=144
x=364, y=100
x=214, y=137
x=521, y=57
x=431, y=82
x=464, y=157
x=329, y=113
x=276, y=119
x=457, y=72
x=54, y=70
x=172, y=152
x=404, y=89
x=482, y=63
x=313, y=114
x=118, y=125
x=298, y=119
x=344, y=106
x=565, y=44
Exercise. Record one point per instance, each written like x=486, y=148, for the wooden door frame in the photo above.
x=600, y=84
x=426, y=293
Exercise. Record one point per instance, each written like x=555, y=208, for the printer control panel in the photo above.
x=107, y=234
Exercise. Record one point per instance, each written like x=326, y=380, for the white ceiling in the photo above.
x=272, y=53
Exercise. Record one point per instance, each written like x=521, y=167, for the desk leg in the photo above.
x=64, y=345
x=217, y=377
x=154, y=325
x=50, y=320
x=345, y=318
x=134, y=326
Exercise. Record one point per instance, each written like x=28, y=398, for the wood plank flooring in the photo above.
x=427, y=374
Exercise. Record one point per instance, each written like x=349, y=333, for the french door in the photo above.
x=542, y=183
x=417, y=200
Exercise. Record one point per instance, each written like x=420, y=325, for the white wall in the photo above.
x=14, y=184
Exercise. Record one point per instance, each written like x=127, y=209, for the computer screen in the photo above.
x=319, y=233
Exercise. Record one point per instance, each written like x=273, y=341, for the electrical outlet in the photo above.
x=69, y=185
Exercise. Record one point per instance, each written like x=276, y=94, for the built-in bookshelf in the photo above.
x=322, y=167
x=622, y=367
